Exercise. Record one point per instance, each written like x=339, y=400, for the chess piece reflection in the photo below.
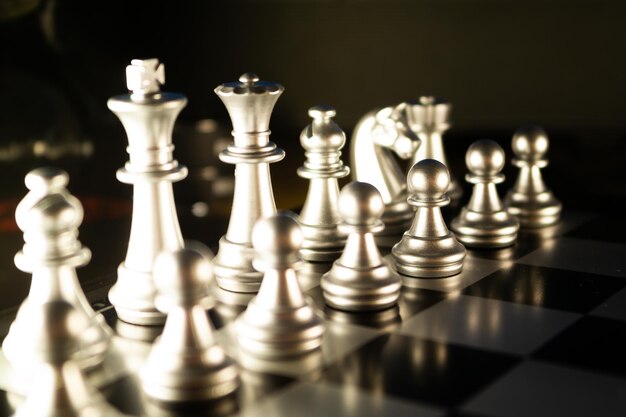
x=377, y=137
x=484, y=223
x=530, y=200
x=50, y=216
x=58, y=385
x=278, y=322
x=360, y=280
x=148, y=116
x=428, y=249
x=186, y=363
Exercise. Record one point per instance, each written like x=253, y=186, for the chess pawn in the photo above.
x=58, y=386
x=530, y=200
x=50, y=216
x=360, y=280
x=484, y=223
x=148, y=115
x=428, y=249
x=322, y=141
x=278, y=322
x=185, y=362
x=249, y=102
x=429, y=118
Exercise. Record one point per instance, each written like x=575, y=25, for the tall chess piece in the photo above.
x=428, y=249
x=322, y=141
x=58, y=386
x=429, y=118
x=484, y=223
x=50, y=216
x=278, y=322
x=186, y=363
x=249, y=103
x=361, y=280
x=530, y=200
x=148, y=115
x=377, y=136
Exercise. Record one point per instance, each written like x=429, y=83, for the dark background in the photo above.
x=504, y=63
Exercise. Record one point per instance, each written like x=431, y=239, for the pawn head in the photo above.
x=530, y=142
x=428, y=179
x=277, y=240
x=360, y=204
x=485, y=157
x=182, y=274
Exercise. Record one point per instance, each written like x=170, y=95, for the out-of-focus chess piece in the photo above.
x=50, y=216
x=530, y=200
x=249, y=102
x=148, y=115
x=428, y=249
x=484, y=223
x=186, y=363
x=278, y=323
x=322, y=141
x=377, y=137
x=429, y=118
x=58, y=385
x=360, y=280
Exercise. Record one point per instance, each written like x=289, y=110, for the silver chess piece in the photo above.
x=148, y=115
x=360, y=280
x=428, y=249
x=185, y=362
x=50, y=216
x=530, y=200
x=429, y=118
x=377, y=137
x=249, y=102
x=484, y=223
x=58, y=386
x=322, y=141
x=278, y=323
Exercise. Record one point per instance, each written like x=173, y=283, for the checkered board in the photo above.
x=533, y=330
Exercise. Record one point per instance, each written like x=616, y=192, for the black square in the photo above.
x=573, y=291
x=418, y=369
x=594, y=343
x=604, y=228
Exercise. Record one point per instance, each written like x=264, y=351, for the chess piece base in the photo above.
x=428, y=258
x=485, y=230
x=534, y=211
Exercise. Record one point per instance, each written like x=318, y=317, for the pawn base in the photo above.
x=534, y=211
x=351, y=289
x=485, y=230
x=438, y=257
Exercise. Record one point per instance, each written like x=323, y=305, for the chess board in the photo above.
x=532, y=330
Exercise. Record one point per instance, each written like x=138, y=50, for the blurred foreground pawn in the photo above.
x=361, y=280
x=249, y=102
x=429, y=118
x=319, y=218
x=484, y=223
x=50, y=216
x=530, y=200
x=428, y=249
x=278, y=322
x=186, y=364
x=148, y=116
x=58, y=386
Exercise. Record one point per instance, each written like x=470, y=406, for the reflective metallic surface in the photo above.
x=186, y=363
x=360, y=280
x=530, y=200
x=484, y=223
x=429, y=118
x=278, y=322
x=376, y=136
x=249, y=102
x=50, y=216
x=148, y=117
x=58, y=385
x=322, y=141
x=428, y=249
